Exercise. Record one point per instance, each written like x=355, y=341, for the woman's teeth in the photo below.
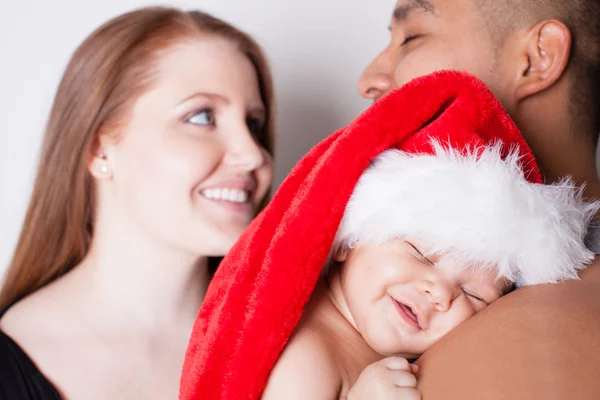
x=232, y=195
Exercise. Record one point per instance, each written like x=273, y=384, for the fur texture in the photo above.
x=261, y=287
x=477, y=208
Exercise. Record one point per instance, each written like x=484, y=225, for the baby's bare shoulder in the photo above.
x=306, y=369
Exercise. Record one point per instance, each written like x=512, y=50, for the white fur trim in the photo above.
x=479, y=209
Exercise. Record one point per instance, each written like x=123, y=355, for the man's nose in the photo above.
x=377, y=79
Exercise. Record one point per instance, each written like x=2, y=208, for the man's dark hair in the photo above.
x=582, y=17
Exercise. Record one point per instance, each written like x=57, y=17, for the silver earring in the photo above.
x=104, y=169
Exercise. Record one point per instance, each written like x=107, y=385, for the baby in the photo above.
x=399, y=279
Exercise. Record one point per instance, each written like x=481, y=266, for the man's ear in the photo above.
x=545, y=57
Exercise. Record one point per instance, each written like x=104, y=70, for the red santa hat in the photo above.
x=438, y=161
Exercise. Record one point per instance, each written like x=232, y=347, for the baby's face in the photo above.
x=402, y=302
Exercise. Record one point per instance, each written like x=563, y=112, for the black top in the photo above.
x=20, y=379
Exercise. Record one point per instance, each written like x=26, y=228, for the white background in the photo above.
x=317, y=49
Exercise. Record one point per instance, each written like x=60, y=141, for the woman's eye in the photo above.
x=203, y=118
x=254, y=125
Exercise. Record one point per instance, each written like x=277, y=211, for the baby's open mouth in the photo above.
x=408, y=314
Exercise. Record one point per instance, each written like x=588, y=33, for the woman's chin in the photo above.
x=219, y=246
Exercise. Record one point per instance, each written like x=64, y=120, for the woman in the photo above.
x=157, y=155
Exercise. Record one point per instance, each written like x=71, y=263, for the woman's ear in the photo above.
x=100, y=164
x=546, y=51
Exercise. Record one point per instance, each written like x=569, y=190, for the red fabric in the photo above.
x=258, y=294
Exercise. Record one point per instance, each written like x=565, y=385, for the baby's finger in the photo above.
x=414, y=369
x=408, y=394
x=397, y=364
x=403, y=379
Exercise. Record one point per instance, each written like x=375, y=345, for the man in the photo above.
x=542, y=61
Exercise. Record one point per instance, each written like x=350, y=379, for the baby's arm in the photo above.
x=392, y=378
x=306, y=370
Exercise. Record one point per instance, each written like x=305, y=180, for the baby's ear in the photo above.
x=340, y=254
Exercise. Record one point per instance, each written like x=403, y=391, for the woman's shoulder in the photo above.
x=19, y=376
x=26, y=322
x=37, y=320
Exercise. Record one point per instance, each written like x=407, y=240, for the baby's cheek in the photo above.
x=458, y=314
x=464, y=312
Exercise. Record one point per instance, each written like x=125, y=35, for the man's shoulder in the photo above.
x=591, y=274
x=556, y=323
x=578, y=293
x=566, y=300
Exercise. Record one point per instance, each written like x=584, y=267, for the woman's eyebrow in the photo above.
x=212, y=96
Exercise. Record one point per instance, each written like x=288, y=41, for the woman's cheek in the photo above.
x=190, y=160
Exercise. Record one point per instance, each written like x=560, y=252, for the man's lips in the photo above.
x=407, y=314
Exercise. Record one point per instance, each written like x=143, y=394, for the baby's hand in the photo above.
x=389, y=379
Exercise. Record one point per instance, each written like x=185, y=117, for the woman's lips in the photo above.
x=407, y=314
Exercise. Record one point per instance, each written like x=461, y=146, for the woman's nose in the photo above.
x=244, y=152
x=377, y=79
